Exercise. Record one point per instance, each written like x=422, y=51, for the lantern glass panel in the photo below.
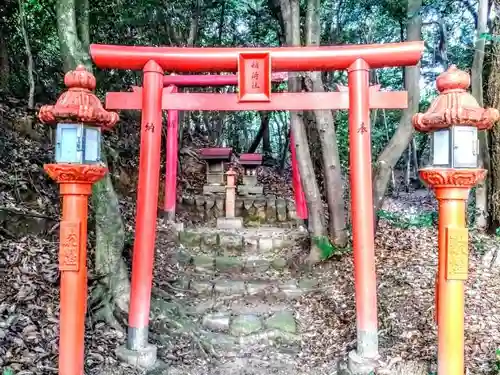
x=464, y=147
x=92, y=142
x=440, y=148
x=68, y=143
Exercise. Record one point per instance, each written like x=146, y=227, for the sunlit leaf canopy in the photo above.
x=242, y=23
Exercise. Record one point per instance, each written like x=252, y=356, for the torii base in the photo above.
x=144, y=358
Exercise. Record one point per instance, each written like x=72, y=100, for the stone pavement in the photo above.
x=241, y=286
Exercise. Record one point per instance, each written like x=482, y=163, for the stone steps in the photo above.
x=260, y=240
x=241, y=287
x=206, y=265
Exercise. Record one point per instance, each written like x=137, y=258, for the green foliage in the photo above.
x=423, y=220
x=7, y=371
x=327, y=249
x=233, y=23
x=324, y=245
x=497, y=362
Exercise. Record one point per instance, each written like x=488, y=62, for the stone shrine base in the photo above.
x=255, y=211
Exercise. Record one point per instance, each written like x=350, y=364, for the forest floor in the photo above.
x=406, y=265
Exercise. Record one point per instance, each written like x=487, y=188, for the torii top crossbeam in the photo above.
x=198, y=60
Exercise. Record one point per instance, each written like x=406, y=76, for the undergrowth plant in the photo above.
x=423, y=220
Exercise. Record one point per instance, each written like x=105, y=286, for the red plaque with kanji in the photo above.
x=69, y=247
x=254, y=77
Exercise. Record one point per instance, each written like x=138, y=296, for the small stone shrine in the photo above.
x=250, y=187
x=215, y=158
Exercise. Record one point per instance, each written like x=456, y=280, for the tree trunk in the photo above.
x=284, y=153
x=493, y=95
x=110, y=236
x=266, y=142
x=320, y=246
x=72, y=50
x=29, y=55
x=477, y=92
x=403, y=134
x=4, y=64
x=264, y=124
x=334, y=187
x=82, y=15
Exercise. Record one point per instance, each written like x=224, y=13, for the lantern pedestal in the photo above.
x=452, y=187
x=75, y=183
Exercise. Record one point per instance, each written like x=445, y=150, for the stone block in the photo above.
x=260, y=209
x=265, y=244
x=214, y=189
x=231, y=243
x=229, y=287
x=215, y=179
x=291, y=210
x=144, y=358
x=271, y=209
x=201, y=287
x=218, y=322
x=282, y=243
x=182, y=257
x=182, y=283
x=190, y=239
x=256, y=264
x=188, y=201
x=204, y=263
x=258, y=287
x=281, y=209
x=228, y=264
x=251, y=244
x=250, y=190
x=238, y=207
x=210, y=242
x=308, y=285
x=249, y=180
x=357, y=365
x=215, y=166
x=290, y=289
x=282, y=321
x=243, y=325
x=229, y=222
x=279, y=264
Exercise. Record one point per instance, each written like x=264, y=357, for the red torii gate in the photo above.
x=358, y=60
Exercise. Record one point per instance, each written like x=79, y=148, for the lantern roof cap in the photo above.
x=453, y=79
x=78, y=103
x=454, y=105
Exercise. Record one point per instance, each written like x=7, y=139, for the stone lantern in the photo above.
x=79, y=118
x=453, y=119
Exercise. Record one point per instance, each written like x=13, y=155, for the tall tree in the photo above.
x=477, y=91
x=326, y=129
x=493, y=95
x=110, y=233
x=288, y=15
x=400, y=140
x=29, y=56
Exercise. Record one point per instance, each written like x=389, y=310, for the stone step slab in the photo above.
x=211, y=265
x=262, y=241
x=283, y=290
x=246, y=324
x=261, y=305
